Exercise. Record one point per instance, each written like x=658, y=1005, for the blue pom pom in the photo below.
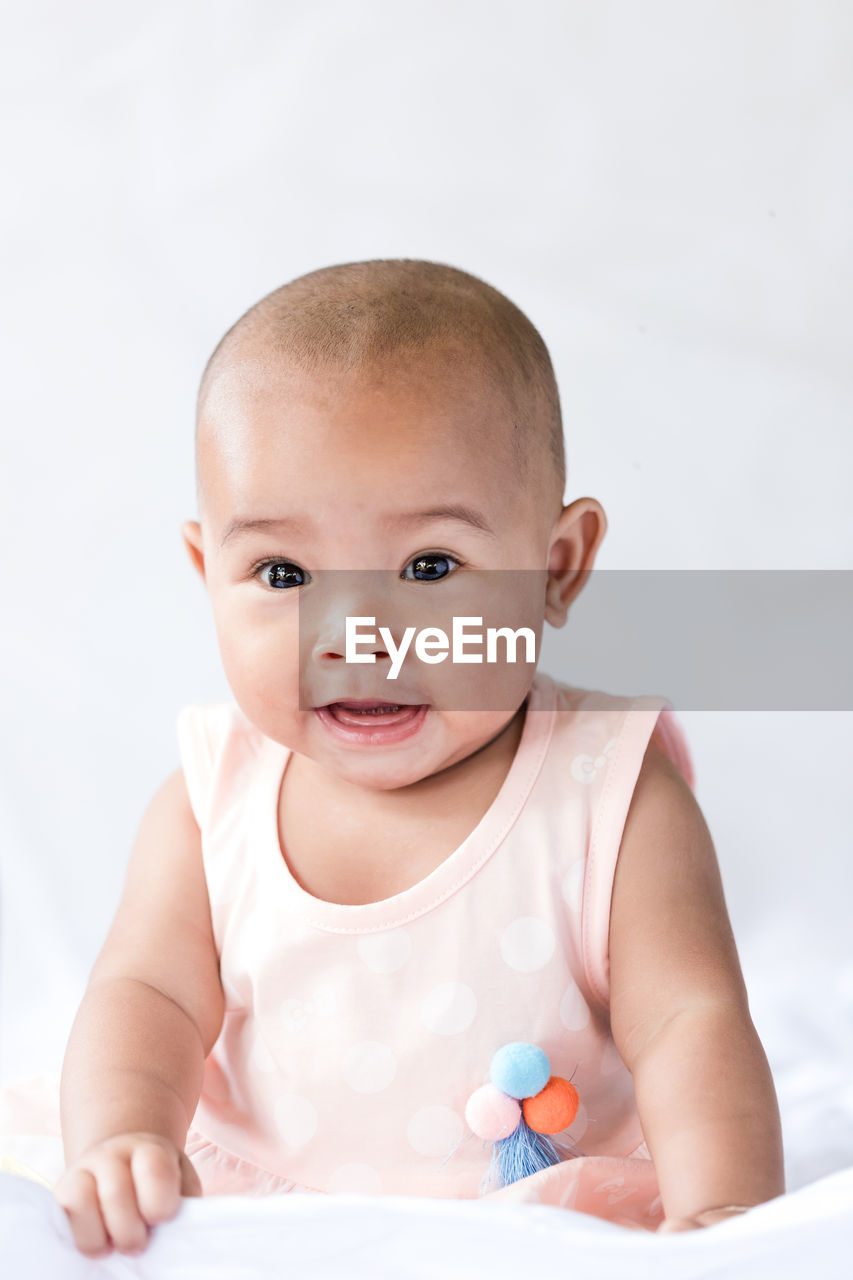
x=520, y=1069
x=522, y=1153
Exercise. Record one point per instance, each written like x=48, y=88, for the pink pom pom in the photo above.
x=491, y=1114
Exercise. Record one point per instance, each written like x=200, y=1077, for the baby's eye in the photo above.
x=281, y=573
x=430, y=568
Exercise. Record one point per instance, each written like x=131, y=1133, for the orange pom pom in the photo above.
x=554, y=1108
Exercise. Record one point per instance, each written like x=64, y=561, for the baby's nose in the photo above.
x=364, y=597
x=332, y=648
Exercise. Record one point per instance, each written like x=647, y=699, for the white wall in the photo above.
x=665, y=188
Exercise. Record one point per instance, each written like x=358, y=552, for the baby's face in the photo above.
x=359, y=472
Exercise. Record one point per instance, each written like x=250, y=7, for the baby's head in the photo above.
x=369, y=416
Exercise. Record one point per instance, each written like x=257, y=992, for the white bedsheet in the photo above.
x=348, y=1236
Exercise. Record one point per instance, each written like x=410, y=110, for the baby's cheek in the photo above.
x=474, y=730
x=261, y=664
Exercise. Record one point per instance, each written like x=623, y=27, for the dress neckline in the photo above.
x=457, y=868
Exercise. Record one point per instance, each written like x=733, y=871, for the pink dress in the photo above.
x=354, y=1035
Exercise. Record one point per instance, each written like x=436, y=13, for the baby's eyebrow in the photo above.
x=239, y=526
x=446, y=511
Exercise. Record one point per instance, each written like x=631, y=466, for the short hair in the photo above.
x=356, y=313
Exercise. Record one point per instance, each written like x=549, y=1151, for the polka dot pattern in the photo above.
x=435, y=1130
x=298, y=1013
x=527, y=944
x=385, y=952
x=574, y=1010
x=611, y=1060
x=572, y=886
x=449, y=1008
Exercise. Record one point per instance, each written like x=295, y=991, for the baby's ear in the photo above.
x=191, y=534
x=575, y=539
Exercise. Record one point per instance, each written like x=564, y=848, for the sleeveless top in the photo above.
x=354, y=1034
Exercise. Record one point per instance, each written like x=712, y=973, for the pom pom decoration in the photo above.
x=520, y=1069
x=523, y=1104
x=554, y=1108
x=522, y=1153
x=492, y=1114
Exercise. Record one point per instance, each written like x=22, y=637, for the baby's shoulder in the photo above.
x=219, y=750
x=212, y=725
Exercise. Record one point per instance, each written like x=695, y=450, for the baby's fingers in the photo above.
x=121, y=1214
x=670, y=1225
x=157, y=1178
x=77, y=1193
x=706, y=1218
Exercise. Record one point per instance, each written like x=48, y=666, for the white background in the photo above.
x=665, y=188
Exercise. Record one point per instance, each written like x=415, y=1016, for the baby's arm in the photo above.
x=133, y=1068
x=680, y=1015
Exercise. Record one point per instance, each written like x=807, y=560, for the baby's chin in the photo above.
x=380, y=747
x=383, y=776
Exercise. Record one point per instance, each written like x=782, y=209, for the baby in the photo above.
x=353, y=892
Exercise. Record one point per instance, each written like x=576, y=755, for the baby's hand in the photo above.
x=706, y=1218
x=121, y=1186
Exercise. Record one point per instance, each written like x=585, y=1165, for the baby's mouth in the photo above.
x=357, y=712
x=372, y=722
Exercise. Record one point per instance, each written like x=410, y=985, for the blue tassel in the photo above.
x=522, y=1153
